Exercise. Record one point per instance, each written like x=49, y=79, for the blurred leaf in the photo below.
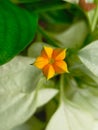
x=45, y=6
x=70, y=117
x=17, y=30
x=19, y=100
x=58, y=17
x=74, y=36
x=89, y=57
x=35, y=49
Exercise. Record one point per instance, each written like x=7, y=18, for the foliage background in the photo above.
x=27, y=100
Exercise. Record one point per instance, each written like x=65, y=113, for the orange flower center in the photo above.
x=51, y=61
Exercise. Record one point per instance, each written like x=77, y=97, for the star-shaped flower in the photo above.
x=51, y=61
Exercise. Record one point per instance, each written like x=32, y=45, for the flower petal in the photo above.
x=47, y=52
x=59, y=54
x=41, y=62
x=49, y=71
x=60, y=66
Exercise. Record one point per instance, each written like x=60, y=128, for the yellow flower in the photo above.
x=51, y=61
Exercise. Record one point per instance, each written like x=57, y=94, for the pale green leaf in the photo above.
x=16, y=109
x=19, y=76
x=20, y=92
x=70, y=117
x=18, y=100
x=74, y=36
x=89, y=57
x=87, y=98
x=96, y=125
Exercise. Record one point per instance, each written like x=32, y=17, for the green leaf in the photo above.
x=70, y=117
x=89, y=57
x=17, y=30
x=74, y=36
x=20, y=92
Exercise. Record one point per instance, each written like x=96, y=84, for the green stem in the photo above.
x=95, y=19
x=47, y=37
x=61, y=87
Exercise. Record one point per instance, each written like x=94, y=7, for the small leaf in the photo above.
x=89, y=57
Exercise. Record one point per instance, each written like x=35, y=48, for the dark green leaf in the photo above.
x=17, y=30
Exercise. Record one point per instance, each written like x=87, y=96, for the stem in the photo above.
x=47, y=37
x=61, y=87
x=95, y=19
